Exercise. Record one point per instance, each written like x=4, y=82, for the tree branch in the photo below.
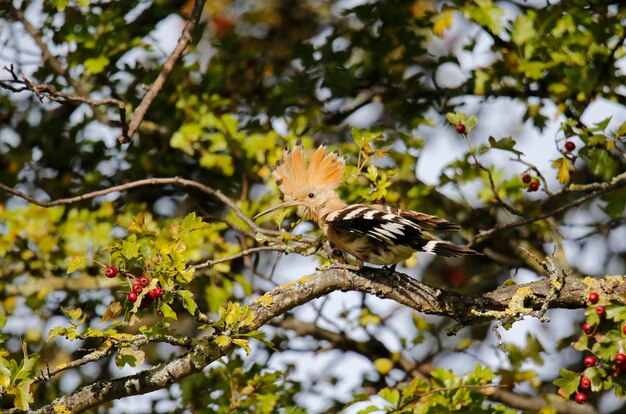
x=467, y=309
x=42, y=90
x=597, y=190
x=168, y=66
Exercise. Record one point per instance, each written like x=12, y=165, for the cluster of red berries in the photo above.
x=533, y=185
x=590, y=360
x=137, y=287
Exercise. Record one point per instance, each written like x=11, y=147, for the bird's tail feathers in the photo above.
x=445, y=249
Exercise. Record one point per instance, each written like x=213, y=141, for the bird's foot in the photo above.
x=391, y=268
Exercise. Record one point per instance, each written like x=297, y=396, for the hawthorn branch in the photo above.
x=467, y=309
x=168, y=66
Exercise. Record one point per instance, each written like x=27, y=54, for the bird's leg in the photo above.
x=338, y=260
x=391, y=268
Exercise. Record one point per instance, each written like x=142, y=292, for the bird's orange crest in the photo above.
x=296, y=172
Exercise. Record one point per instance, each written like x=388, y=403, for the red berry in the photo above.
x=144, y=281
x=589, y=361
x=585, y=383
x=526, y=178
x=570, y=146
x=594, y=297
x=624, y=329
x=157, y=292
x=460, y=128
x=600, y=310
x=580, y=398
x=618, y=370
x=588, y=328
x=132, y=296
x=620, y=358
x=110, y=271
x=534, y=186
x=137, y=288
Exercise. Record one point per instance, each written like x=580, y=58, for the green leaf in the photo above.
x=533, y=69
x=456, y=117
x=73, y=313
x=130, y=249
x=523, y=29
x=616, y=311
x=96, y=65
x=188, y=302
x=168, y=313
x=602, y=164
x=60, y=4
x=567, y=382
x=77, y=262
x=23, y=398
x=391, y=395
x=505, y=144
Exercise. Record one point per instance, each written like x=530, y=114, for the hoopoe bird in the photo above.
x=374, y=234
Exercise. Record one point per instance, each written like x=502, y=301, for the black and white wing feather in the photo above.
x=388, y=227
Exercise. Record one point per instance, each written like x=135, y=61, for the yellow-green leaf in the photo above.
x=74, y=313
x=564, y=166
x=442, y=21
x=242, y=343
x=77, y=262
x=223, y=341
x=96, y=65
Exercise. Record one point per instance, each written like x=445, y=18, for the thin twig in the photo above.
x=168, y=66
x=246, y=252
x=42, y=90
x=600, y=188
x=492, y=184
x=103, y=352
x=446, y=389
x=58, y=67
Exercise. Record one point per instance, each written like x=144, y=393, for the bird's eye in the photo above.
x=311, y=195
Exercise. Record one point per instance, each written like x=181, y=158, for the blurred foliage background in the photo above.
x=374, y=80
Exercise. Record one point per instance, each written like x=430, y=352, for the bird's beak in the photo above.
x=278, y=207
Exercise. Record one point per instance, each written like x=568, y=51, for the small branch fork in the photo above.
x=44, y=90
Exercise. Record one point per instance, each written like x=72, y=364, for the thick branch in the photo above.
x=467, y=309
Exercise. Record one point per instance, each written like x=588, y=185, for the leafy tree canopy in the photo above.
x=135, y=148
